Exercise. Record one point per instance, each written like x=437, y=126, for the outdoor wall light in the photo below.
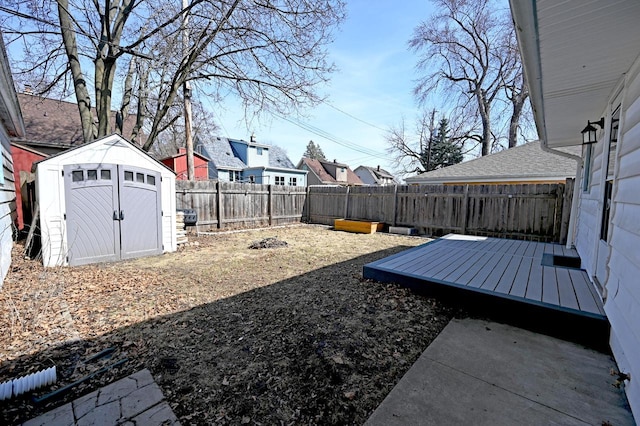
x=589, y=133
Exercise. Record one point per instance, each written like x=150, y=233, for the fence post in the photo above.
x=270, y=204
x=465, y=209
x=566, y=210
x=395, y=205
x=346, y=202
x=307, y=203
x=219, y=203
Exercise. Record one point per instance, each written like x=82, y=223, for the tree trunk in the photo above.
x=89, y=131
x=485, y=115
x=518, y=103
x=126, y=94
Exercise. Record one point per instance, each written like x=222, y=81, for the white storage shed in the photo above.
x=104, y=201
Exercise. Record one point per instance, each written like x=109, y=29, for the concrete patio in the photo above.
x=486, y=373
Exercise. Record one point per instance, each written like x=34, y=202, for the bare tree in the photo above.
x=424, y=148
x=465, y=52
x=271, y=54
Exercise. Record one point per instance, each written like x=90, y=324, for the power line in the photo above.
x=326, y=135
x=353, y=116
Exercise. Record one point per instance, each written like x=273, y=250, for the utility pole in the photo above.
x=186, y=90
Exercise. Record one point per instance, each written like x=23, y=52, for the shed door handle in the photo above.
x=115, y=215
x=121, y=214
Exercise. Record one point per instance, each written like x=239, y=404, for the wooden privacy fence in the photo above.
x=528, y=211
x=240, y=205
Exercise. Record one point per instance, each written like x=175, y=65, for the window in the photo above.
x=608, y=185
x=252, y=178
x=128, y=176
x=279, y=180
x=259, y=150
x=588, y=163
x=234, y=175
x=105, y=174
x=92, y=175
x=293, y=181
x=151, y=180
x=77, y=176
x=140, y=177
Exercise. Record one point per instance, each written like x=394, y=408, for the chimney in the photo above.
x=334, y=160
x=378, y=167
x=253, y=138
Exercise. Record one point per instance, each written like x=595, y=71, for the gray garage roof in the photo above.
x=527, y=162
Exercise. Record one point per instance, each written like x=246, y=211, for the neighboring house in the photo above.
x=582, y=63
x=234, y=160
x=328, y=173
x=23, y=159
x=52, y=126
x=375, y=176
x=178, y=163
x=526, y=163
x=12, y=126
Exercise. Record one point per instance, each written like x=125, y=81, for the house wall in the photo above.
x=50, y=193
x=179, y=165
x=270, y=177
x=619, y=266
x=338, y=171
x=312, y=178
x=7, y=205
x=254, y=159
x=22, y=162
x=365, y=176
x=623, y=267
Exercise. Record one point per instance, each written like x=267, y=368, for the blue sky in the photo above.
x=373, y=83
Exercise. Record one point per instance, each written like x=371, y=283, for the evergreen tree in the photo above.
x=444, y=152
x=314, y=152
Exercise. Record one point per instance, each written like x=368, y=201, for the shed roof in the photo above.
x=526, y=162
x=113, y=140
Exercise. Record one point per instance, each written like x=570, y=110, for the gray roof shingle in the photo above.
x=519, y=163
x=278, y=158
x=220, y=152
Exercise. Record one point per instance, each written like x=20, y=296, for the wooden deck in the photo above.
x=510, y=269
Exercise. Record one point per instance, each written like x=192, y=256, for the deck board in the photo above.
x=519, y=288
x=501, y=267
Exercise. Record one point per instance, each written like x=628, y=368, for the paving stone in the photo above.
x=61, y=416
x=85, y=404
x=142, y=378
x=116, y=390
x=135, y=400
x=161, y=414
x=141, y=400
x=104, y=415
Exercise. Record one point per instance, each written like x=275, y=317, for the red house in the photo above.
x=23, y=158
x=178, y=163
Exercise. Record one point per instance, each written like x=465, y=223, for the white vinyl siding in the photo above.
x=7, y=206
x=623, y=285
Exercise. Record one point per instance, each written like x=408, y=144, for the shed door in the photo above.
x=141, y=215
x=113, y=212
x=91, y=192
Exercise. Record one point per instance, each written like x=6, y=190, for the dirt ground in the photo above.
x=233, y=335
